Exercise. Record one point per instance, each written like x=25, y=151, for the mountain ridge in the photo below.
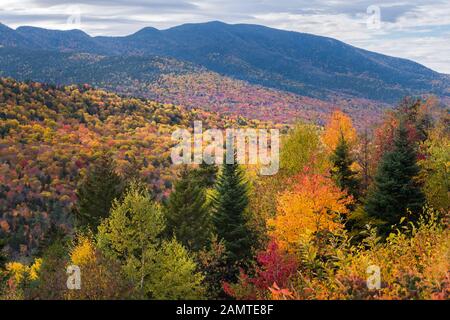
x=301, y=63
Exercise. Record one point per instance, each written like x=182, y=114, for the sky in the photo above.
x=416, y=29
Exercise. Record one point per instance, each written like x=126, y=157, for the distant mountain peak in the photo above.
x=145, y=31
x=4, y=27
x=73, y=32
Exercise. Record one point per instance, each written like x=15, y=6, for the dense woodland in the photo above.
x=86, y=179
x=171, y=81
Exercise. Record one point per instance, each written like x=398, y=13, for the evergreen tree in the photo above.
x=206, y=175
x=54, y=234
x=187, y=213
x=395, y=188
x=341, y=171
x=229, y=206
x=96, y=193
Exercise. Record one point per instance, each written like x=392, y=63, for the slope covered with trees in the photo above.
x=343, y=203
x=175, y=82
x=53, y=138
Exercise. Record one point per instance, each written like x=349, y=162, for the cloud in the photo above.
x=415, y=29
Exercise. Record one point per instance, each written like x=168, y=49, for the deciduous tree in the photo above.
x=313, y=204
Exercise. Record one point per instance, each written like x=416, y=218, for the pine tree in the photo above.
x=54, y=234
x=187, y=212
x=206, y=174
x=97, y=192
x=229, y=206
x=341, y=172
x=395, y=189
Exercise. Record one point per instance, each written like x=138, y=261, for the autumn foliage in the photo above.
x=310, y=232
x=311, y=205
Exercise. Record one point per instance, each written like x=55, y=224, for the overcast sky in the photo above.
x=414, y=29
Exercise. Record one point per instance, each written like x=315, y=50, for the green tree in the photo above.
x=229, y=204
x=174, y=275
x=302, y=147
x=341, y=172
x=54, y=234
x=395, y=189
x=206, y=175
x=96, y=193
x=435, y=169
x=132, y=235
x=187, y=213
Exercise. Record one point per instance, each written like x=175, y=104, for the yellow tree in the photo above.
x=314, y=203
x=339, y=125
x=101, y=277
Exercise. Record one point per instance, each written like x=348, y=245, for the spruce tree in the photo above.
x=187, y=215
x=341, y=172
x=395, y=189
x=54, y=234
x=206, y=175
x=229, y=204
x=96, y=193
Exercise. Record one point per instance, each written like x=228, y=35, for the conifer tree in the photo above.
x=395, y=189
x=97, y=191
x=54, y=234
x=229, y=208
x=187, y=212
x=206, y=174
x=341, y=172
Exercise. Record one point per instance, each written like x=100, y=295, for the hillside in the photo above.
x=50, y=135
x=172, y=81
x=303, y=64
x=51, y=140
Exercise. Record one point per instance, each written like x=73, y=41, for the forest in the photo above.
x=86, y=180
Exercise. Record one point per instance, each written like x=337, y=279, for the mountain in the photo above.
x=300, y=63
x=172, y=81
x=63, y=41
x=11, y=38
x=98, y=70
